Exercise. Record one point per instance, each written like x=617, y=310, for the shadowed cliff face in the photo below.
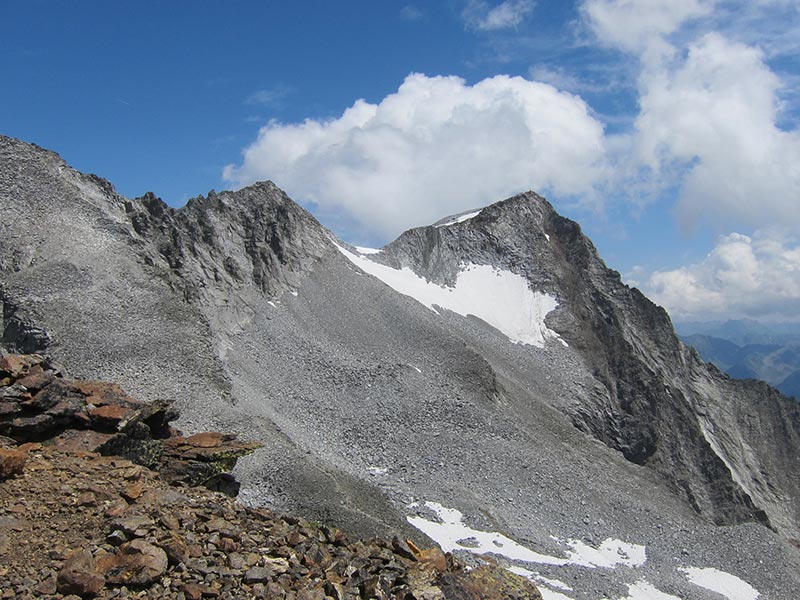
x=241, y=306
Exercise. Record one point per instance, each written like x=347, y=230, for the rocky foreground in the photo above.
x=100, y=497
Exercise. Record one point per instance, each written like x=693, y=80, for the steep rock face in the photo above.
x=655, y=395
x=256, y=236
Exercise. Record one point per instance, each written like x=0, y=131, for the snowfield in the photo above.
x=452, y=535
x=501, y=298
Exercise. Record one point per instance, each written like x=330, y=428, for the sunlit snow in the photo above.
x=642, y=590
x=501, y=298
x=725, y=584
x=364, y=250
x=609, y=554
x=458, y=219
x=452, y=534
x=549, y=592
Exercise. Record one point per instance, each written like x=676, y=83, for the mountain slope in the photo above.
x=652, y=397
x=373, y=404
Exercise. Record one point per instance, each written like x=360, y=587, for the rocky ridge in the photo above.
x=370, y=404
x=78, y=520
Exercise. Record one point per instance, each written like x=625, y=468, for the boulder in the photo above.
x=12, y=462
x=79, y=575
x=137, y=563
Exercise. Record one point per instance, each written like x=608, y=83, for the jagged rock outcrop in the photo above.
x=254, y=319
x=38, y=404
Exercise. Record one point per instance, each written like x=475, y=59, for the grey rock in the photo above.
x=257, y=575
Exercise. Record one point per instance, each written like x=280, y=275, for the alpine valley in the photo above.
x=485, y=381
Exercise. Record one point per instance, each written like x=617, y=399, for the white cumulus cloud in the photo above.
x=742, y=276
x=709, y=111
x=714, y=115
x=436, y=146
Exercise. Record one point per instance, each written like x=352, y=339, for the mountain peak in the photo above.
x=523, y=205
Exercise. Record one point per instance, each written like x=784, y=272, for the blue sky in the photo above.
x=667, y=128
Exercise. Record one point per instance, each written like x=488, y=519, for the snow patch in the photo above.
x=725, y=584
x=452, y=534
x=364, y=250
x=642, y=590
x=547, y=236
x=457, y=219
x=553, y=583
x=548, y=592
x=609, y=555
x=377, y=470
x=501, y=298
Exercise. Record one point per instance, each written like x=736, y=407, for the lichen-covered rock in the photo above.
x=487, y=582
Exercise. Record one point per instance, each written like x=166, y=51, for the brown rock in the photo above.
x=35, y=381
x=100, y=393
x=175, y=547
x=86, y=499
x=74, y=440
x=433, y=559
x=137, y=563
x=110, y=415
x=79, y=576
x=48, y=586
x=17, y=365
x=208, y=439
x=193, y=591
x=133, y=491
x=12, y=462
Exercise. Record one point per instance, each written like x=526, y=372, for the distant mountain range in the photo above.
x=749, y=349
